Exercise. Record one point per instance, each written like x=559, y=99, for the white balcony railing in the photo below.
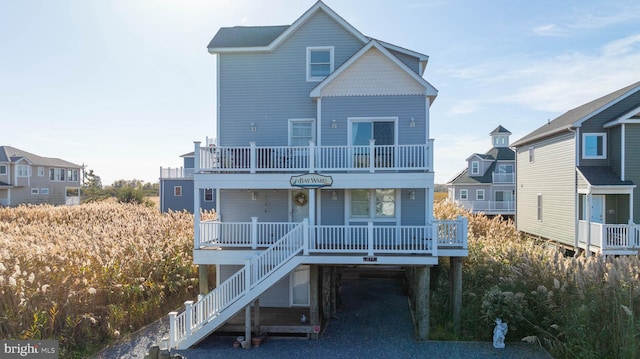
x=609, y=236
x=339, y=239
x=175, y=173
x=370, y=158
x=502, y=207
x=504, y=177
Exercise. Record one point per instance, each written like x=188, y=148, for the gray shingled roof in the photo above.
x=568, y=119
x=464, y=177
x=12, y=154
x=500, y=129
x=602, y=176
x=246, y=36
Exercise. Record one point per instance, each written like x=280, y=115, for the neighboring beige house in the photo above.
x=26, y=178
x=488, y=183
x=577, y=176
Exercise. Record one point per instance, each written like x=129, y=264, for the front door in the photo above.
x=299, y=205
x=597, y=209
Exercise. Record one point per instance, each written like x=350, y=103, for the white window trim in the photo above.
x=532, y=155
x=28, y=170
x=5, y=170
x=604, y=145
x=41, y=171
x=204, y=195
x=308, y=270
x=480, y=193
x=475, y=170
x=35, y=191
x=44, y=190
x=313, y=128
x=308, y=63
x=175, y=188
x=351, y=120
x=466, y=194
x=372, y=208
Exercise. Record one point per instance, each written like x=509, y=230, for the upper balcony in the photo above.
x=175, y=173
x=312, y=158
x=504, y=178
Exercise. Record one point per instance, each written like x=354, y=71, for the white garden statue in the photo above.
x=499, y=332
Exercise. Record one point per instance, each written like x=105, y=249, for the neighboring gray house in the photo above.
x=26, y=178
x=324, y=161
x=176, y=188
x=577, y=176
x=487, y=185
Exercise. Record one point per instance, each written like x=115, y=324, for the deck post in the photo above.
x=256, y=316
x=203, y=278
x=372, y=148
x=188, y=317
x=370, y=238
x=252, y=157
x=173, y=327
x=326, y=292
x=247, y=325
x=314, y=302
x=254, y=232
x=423, y=279
x=455, y=281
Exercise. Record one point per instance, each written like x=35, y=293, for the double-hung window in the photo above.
x=72, y=175
x=56, y=174
x=319, y=62
x=475, y=167
x=464, y=194
x=594, y=145
x=3, y=169
x=373, y=203
x=23, y=170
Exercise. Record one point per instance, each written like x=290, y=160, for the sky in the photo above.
x=125, y=87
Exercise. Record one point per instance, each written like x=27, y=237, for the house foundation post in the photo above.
x=256, y=316
x=334, y=289
x=455, y=281
x=326, y=293
x=247, y=326
x=314, y=299
x=203, y=278
x=423, y=295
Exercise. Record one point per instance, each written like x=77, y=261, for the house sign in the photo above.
x=311, y=180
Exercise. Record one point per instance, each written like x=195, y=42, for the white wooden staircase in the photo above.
x=212, y=310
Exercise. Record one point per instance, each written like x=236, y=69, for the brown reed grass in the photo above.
x=87, y=274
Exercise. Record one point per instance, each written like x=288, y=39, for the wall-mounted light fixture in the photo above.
x=412, y=123
x=334, y=196
x=412, y=194
x=253, y=127
x=254, y=196
x=334, y=124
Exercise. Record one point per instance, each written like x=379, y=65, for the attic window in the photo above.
x=319, y=62
x=594, y=146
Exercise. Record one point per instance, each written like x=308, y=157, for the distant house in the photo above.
x=176, y=188
x=26, y=178
x=324, y=162
x=487, y=185
x=577, y=176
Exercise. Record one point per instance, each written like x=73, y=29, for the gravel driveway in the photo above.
x=373, y=322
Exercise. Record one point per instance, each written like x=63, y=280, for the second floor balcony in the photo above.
x=175, y=172
x=504, y=177
x=312, y=158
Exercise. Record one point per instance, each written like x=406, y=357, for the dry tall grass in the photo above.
x=577, y=307
x=90, y=273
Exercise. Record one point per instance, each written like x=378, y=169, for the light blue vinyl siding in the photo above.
x=332, y=210
x=413, y=209
x=268, y=89
x=269, y=206
x=402, y=107
x=184, y=202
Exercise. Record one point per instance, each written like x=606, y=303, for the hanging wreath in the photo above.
x=300, y=199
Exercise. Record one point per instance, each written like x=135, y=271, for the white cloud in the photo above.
x=549, y=30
